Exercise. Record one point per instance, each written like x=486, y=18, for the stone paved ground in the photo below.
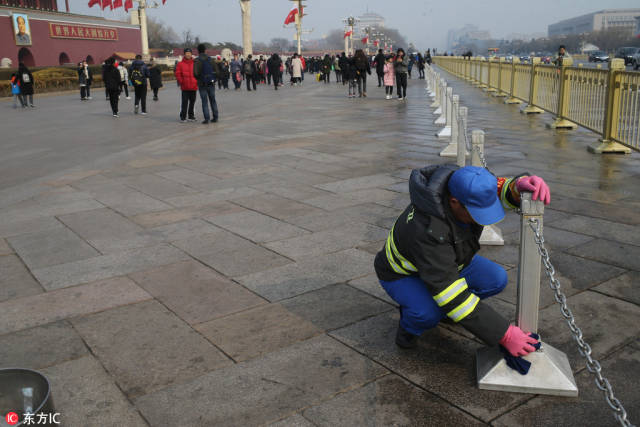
x=168, y=274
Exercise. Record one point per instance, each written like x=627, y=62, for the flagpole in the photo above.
x=299, y=26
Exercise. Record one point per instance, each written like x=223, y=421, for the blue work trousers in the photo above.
x=420, y=312
x=208, y=95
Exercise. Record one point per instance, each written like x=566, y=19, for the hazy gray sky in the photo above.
x=423, y=22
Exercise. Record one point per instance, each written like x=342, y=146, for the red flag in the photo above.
x=117, y=3
x=347, y=34
x=93, y=2
x=106, y=3
x=376, y=43
x=365, y=40
x=291, y=17
x=164, y=1
x=128, y=4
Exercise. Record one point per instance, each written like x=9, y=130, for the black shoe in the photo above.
x=405, y=339
x=214, y=120
x=205, y=122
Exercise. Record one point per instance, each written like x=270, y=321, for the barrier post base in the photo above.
x=550, y=373
x=491, y=236
x=445, y=132
x=512, y=100
x=531, y=109
x=499, y=94
x=438, y=111
x=605, y=147
x=451, y=150
x=559, y=123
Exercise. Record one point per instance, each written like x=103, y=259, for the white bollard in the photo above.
x=491, y=235
x=435, y=90
x=441, y=97
x=451, y=149
x=462, y=151
x=447, y=115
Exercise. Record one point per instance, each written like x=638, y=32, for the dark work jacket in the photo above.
x=428, y=236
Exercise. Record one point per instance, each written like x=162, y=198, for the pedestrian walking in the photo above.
x=224, y=74
x=411, y=63
x=26, y=84
x=351, y=77
x=155, y=79
x=420, y=63
x=139, y=74
x=362, y=69
x=205, y=71
x=296, y=70
x=326, y=68
x=15, y=91
x=401, y=68
x=188, y=86
x=85, y=78
x=380, y=61
x=274, y=63
x=343, y=61
x=337, y=69
x=249, y=69
x=112, y=84
x=389, y=77
x=124, y=80
x=236, y=71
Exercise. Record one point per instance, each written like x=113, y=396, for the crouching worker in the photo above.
x=429, y=264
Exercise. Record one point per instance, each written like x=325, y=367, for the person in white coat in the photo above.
x=296, y=69
x=124, y=79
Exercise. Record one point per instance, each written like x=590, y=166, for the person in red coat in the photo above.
x=188, y=84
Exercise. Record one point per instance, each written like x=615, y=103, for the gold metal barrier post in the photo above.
x=612, y=104
x=550, y=372
x=512, y=99
x=533, y=90
x=561, y=121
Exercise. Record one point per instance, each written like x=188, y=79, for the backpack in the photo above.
x=247, y=67
x=137, y=78
x=207, y=76
x=26, y=78
x=361, y=63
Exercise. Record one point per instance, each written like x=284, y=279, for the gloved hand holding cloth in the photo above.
x=516, y=343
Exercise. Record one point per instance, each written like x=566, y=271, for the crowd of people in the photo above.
x=202, y=73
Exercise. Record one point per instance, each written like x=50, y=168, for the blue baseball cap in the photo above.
x=477, y=190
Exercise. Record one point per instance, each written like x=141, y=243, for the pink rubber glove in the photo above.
x=517, y=342
x=537, y=186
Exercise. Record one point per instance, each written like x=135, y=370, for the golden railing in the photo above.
x=606, y=102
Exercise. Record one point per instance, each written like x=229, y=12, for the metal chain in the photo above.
x=585, y=350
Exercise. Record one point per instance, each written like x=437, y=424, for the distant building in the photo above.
x=369, y=19
x=597, y=21
x=467, y=36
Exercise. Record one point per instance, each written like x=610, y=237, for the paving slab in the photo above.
x=85, y=395
x=604, y=229
x=157, y=186
x=262, y=390
x=327, y=241
x=589, y=408
x=207, y=198
x=296, y=420
x=19, y=226
x=335, y=306
x=605, y=211
x=187, y=176
x=105, y=266
x=385, y=402
x=257, y=331
x=195, y=293
x=291, y=190
x=24, y=348
x=157, y=219
x=15, y=279
x=443, y=363
x=619, y=254
x=256, y=226
x=597, y=315
x=146, y=347
x=371, y=285
x=51, y=247
x=624, y=287
x=276, y=206
x=126, y=200
x=108, y=231
x=4, y=248
x=31, y=311
x=313, y=273
x=230, y=254
x=182, y=230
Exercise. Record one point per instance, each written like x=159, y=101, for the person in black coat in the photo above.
x=344, y=66
x=380, y=60
x=85, y=78
x=25, y=79
x=112, y=83
x=155, y=79
x=274, y=63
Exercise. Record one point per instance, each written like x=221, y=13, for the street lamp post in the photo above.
x=144, y=34
x=348, y=45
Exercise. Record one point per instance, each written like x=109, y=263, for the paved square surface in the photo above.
x=172, y=274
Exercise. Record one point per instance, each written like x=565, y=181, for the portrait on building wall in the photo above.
x=21, y=29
